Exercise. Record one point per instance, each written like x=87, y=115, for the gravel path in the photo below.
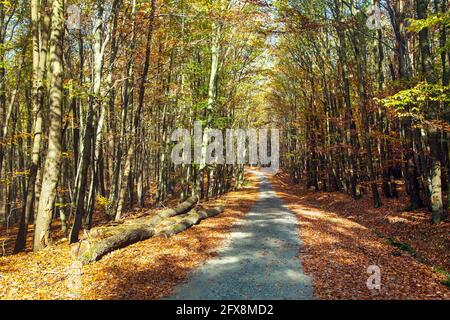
x=260, y=261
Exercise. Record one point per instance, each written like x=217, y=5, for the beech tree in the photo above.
x=88, y=109
x=51, y=168
x=369, y=106
x=90, y=120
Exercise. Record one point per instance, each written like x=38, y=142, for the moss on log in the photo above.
x=127, y=234
x=124, y=225
x=186, y=221
x=120, y=240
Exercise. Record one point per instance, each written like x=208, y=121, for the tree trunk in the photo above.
x=436, y=202
x=53, y=158
x=139, y=230
x=350, y=124
x=39, y=61
x=359, y=54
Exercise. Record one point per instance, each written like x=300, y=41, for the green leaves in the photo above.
x=415, y=102
x=433, y=21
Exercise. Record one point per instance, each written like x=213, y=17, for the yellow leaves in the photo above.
x=6, y=3
x=61, y=205
x=9, y=177
x=101, y=202
x=15, y=138
x=433, y=21
x=21, y=173
x=67, y=155
x=418, y=102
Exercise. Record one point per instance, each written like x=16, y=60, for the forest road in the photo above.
x=260, y=260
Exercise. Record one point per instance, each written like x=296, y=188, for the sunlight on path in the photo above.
x=259, y=262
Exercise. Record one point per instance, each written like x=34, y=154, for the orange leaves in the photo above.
x=145, y=270
x=343, y=237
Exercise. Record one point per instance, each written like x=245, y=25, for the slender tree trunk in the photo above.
x=437, y=207
x=215, y=47
x=3, y=112
x=99, y=49
x=350, y=124
x=128, y=93
x=37, y=92
x=53, y=158
x=359, y=54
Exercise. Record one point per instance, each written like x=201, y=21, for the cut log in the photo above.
x=180, y=209
x=118, y=241
x=125, y=225
x=186, y=221
x=127, y=234
x=167, y=228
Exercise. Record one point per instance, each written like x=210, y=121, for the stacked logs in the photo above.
x=166, y=223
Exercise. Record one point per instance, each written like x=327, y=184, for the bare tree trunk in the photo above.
x=128, y=93
x=436, y=202
x=53, y=158
x=39, y=65
x=3, y=112
x=99, y=50
x=351, y=127
x=359, y=54
x=211, y=104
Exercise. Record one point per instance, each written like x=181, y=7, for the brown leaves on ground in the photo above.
x=146, y=270
x=343, y=237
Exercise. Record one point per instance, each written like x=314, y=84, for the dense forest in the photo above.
x=91, y=92
x=364, y=91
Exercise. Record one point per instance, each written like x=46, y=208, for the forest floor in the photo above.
x=146, y=270
x=342, y=237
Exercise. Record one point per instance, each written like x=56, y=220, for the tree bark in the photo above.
x=138, y=230
x=39, y=25
x=436, y=202
x=53, y=158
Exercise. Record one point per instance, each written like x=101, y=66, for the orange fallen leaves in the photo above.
x=146, y=270
x=342, y=239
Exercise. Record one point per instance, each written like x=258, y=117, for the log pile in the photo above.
x=179, y=224
x=124, y=225
x=166, y=223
